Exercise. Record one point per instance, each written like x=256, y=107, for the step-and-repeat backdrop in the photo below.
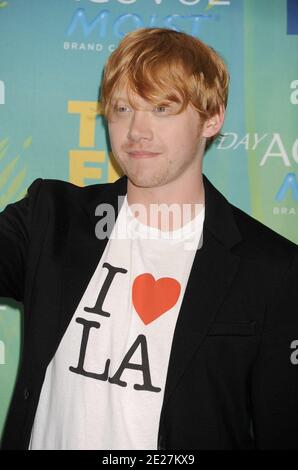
x=52, y=54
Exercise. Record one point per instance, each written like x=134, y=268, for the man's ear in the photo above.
x=213, y=124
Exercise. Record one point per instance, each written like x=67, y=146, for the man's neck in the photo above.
x=184, y=202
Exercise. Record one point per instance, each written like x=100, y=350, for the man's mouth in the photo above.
x=142, y=154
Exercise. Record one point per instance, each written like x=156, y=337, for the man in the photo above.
x=150, y=332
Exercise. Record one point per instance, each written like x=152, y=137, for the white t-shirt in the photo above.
x=104, y=387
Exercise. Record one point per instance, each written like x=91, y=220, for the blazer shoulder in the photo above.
x=262, y=241
x=64, y=194
x=54, y=186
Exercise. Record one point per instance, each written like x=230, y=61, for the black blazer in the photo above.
x=232, y=380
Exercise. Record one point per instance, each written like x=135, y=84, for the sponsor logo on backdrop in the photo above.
x=289, y=184
x=86, y=162
x=104, y=25
x=288, y=190
x=268, y=148
x=292, y=17
x=294, y=94
x=2, y=92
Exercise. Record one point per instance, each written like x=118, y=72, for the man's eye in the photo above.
x=160, y=109
x=121, y=109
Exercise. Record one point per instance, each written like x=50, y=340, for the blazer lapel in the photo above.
x=84, y=250
x=212, y=273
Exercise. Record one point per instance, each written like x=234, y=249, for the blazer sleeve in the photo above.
x=15, y=223
x=274, y=380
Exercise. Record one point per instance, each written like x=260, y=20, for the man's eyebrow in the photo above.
x=120, y=98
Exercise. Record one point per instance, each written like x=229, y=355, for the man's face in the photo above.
x=153, y=145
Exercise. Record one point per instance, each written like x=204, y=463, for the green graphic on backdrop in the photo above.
x=12, y=175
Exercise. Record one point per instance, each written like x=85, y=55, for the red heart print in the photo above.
x=151, y=298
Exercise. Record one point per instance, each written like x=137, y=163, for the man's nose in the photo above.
x=140, y=126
